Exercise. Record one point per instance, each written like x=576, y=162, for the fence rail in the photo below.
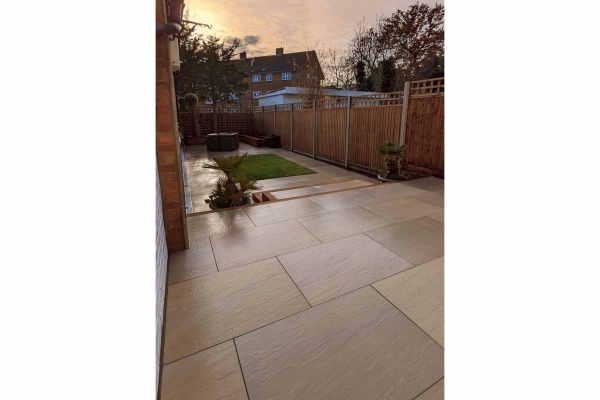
x=348, y=131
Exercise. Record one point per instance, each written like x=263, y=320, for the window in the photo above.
x=286, y=76
x=269, y=77
x=256, y=78
x=256, y=94
x=233, y=96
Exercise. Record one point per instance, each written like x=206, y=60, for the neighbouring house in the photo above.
x=292, y=94
x=274, y=72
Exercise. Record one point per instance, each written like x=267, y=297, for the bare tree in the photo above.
x=310, y=78
x=338, y=69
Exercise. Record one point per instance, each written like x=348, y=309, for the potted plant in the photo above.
x=392, y=162
x=233, y=189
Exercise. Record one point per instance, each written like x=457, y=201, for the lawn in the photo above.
x=268, y=166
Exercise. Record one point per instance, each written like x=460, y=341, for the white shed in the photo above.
x=289, y=95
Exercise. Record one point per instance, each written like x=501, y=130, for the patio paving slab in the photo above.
x=342, y=223
x=336, y=201
x=357, y=346
x=430, y=184
x=436, y=392
x=330, y=187
x=212, y=309
x=401, y=209
x=211, y=374
x=418, y=240
x=387, y=191
x=217, y=223
x=435, y=198
x=248, y=245
x=439, y=216
x=270, y=213
x=335, y=268
x=419, y=293
x=196, y=261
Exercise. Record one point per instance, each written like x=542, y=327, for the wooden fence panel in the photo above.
x=425, y=133
x=370, y=127
x=282, y=125
x=268, y=121
x=303, y=120
x=258, y=124
x=331, y=125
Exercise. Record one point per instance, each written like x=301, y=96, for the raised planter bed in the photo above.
x=258, y=141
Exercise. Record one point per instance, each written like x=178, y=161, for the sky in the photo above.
x=295, y=25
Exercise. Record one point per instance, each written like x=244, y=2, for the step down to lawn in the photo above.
x=284, y=194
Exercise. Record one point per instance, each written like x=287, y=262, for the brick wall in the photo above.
x=162, y=258
x=167, y=144
x=264, y=86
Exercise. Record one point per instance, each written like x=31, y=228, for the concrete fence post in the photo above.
x=292, y=127
x=314, y=132
x=404, y=116
x=347, y=133
x=275, y=120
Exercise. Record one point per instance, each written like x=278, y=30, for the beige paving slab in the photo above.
x=435, y=198
x=387, y=191
x=217, y=223
x=357, y=346
x=336, y=201
x=436, y=392
x=211, y=309
x=335, y=268
x=418, y=240
x=419, y=293
x=211, y=374
x=342, y=223
x=191, y=263
x=438, y=216
x=279, y=211
x=330, y=187
x=401, y=209
x=248, y=245
x=430, y=183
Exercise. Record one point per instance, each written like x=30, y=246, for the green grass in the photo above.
x=268, y=166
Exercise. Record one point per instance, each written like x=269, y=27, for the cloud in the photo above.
x=251, y=39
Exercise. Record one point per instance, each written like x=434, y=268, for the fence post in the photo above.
x=262, y=120
x=404, y=116
x=347, y=142
x=292, y=128
x=314, y=133
x=275, y=120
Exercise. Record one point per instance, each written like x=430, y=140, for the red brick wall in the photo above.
x=167, y=144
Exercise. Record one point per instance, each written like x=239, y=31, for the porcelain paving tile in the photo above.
x=191, y=263
x=357, y=346
x=430, y=184
x=216, y=223
x=436, y=392
x=211, y=374
x=342, y=223
x=335, y=268
x=336, y=201
x=435, y=198
x=280, y=211
x=388, y=191
x=248, y=245
x=419, y=293
x=401, y=209
x=418, y=240
x=211, y=309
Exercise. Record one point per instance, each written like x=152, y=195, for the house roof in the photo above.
x=278, y=63
x=325, y=92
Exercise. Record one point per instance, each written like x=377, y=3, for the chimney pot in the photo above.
x=243, y=55
x=279, y=51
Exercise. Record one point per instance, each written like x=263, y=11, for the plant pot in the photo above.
x=382, y=179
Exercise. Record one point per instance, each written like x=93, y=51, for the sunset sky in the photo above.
x=295, y=25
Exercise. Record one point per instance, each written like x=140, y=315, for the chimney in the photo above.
x=243, y=55
x=279, y=51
